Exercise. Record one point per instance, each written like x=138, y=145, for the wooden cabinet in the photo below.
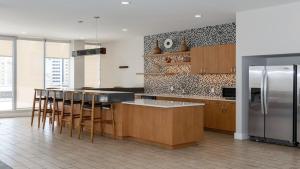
x=210, y=114
x=225, y=116
x=213, y=59
x=218, y=115
x=226, y=57
x=197, y=58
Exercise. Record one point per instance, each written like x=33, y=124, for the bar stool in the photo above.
x=70, y=99
x=53, y=97
x=91, y=102
x=39, y=96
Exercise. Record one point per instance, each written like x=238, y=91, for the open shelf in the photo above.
x=169, y=54
x=157, y=74
x=174, y=63
x=163, y=74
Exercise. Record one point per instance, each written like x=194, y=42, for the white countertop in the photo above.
x=187, y=97
x=162, y=103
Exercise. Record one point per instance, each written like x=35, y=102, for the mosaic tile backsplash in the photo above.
x=182, y=82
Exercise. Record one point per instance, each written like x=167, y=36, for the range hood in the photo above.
x=85, y=52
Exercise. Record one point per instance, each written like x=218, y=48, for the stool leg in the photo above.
x=80, y=119
x=33, y=108
x=58, y=114
x=45, y=111
x=113, y=120
x=40, y=111
x=71, y=114
x=53, y=113
x=92, y=119
x=50, y=112
x=102, y=118
x=62, y=116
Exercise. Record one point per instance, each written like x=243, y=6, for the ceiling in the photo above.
x=58, y=19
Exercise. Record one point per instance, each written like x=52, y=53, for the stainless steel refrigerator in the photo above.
x=273, y=104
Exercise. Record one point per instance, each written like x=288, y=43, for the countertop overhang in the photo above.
x=162, y=103
x=186, y=97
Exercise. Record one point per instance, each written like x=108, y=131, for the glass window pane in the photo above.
x=57, y=70
x=6, y=56
x=92, y=68
x=30, y=70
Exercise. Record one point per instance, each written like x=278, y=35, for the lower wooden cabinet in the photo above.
x=223, y=115
x=218, y=115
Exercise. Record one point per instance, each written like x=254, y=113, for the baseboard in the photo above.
x=241, y=136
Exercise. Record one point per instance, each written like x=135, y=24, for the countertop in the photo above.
x=187, y=97
x=162, y=103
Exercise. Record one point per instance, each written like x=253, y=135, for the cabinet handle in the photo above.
x=234, y=70
x=231, y=70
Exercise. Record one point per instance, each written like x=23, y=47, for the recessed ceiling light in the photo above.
x=24, y=32
x=124, y=30
x=198, y=16
x=81, y=38
x=125, y=2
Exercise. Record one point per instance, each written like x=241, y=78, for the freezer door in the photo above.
x=279, y=103
x=256, y=113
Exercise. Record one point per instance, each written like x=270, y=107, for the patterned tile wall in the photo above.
x=183, y=82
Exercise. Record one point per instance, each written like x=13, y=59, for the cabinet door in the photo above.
x=226, y=117
x=197, y=56
x=210, y=113
x=226, y=58
x=211, y=62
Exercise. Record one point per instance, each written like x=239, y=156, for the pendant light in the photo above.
x=95, y=51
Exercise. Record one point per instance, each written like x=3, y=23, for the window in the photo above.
x=92, y=68
x=30, y=70
x=6, y=74
x=57, y=64
x=38, y=64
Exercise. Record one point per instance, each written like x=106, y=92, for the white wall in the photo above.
x=272, y=30
x=77, y=65
x=127, y=52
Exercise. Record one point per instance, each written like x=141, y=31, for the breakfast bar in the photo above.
x=170, y=124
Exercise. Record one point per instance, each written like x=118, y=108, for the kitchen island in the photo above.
x=170, y=124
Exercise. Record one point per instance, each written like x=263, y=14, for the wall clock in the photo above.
x=168, y=43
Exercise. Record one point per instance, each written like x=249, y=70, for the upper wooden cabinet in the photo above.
x=213, y=59
x=197, y=60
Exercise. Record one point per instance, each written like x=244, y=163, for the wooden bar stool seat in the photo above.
x=70, y=99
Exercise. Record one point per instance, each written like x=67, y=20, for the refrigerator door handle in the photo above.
x=262, y=96
x=265, y=92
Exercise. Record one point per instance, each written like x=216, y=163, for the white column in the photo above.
x=77, y=65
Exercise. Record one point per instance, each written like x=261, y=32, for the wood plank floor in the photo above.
x=24, y=147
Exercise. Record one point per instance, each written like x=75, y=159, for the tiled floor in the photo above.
x=24, y=147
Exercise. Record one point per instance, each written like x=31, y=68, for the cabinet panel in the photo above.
x=197, y=56
x=210, y=114
x=213, y=59
x=226, y=117
x=226, y=54
x=211, y=62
